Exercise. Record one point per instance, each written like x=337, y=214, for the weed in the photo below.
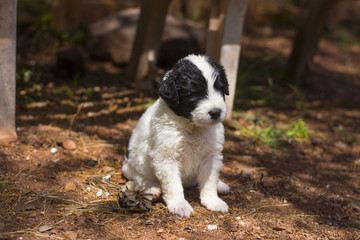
x=300, y=101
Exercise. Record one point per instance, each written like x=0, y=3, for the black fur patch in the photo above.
x=184, y=88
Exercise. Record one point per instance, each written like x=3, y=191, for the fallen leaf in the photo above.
x=45, y=228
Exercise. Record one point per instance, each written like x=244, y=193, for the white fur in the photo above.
x=171, y=152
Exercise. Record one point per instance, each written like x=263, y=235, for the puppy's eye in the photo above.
x=221, y=85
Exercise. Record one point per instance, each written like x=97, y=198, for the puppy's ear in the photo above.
x=168, y=90
x=221, y=84
x=226, y=85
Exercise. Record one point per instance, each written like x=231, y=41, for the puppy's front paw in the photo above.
x=180, y=207
x=215, y=204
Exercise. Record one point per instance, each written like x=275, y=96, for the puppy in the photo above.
x=178, y=141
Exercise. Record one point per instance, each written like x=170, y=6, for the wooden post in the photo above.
x=216, y=28
x=225, y=31
x=147, y=42
x=308, y=33
x=230, y=49
x=7, y=69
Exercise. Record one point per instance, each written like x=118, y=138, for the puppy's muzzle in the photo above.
x=215, y=113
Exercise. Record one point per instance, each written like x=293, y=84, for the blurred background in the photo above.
x=63, y=40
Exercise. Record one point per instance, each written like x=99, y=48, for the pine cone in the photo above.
x=134, y=198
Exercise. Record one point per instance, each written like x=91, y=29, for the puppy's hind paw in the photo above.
x=154, y=193
x=180, y=207
x=215, y=204
x=222, y=188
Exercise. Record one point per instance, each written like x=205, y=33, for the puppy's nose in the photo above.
x=215, y=113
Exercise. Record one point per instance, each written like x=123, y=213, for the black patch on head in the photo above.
x=221, y=83
x=184, y=87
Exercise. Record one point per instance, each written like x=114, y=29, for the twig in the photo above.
x=15, y=213
x=73, y=118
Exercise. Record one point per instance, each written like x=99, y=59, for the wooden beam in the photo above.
x=216, y=27
x=7, y=69
x=147, y=42
x=230, y=49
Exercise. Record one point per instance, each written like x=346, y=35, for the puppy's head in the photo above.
x=195, y=89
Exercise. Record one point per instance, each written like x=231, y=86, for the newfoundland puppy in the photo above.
x=178, y=141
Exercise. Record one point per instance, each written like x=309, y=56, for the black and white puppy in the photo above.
x=178, y=141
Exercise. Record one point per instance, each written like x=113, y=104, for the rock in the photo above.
x=70, y=187
x=69, y=144
x=111, y=39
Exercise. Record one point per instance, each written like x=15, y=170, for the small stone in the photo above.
x=99, y=193
x=70, y=187
x=212, y=227
x=69, y=144
x=45, y=228
x=149, y=222
x=53, y=150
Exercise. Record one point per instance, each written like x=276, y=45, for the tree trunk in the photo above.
x=308, y=33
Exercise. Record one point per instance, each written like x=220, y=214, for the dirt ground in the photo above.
x=60, y=178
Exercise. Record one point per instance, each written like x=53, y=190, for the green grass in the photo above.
x=275, y=136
